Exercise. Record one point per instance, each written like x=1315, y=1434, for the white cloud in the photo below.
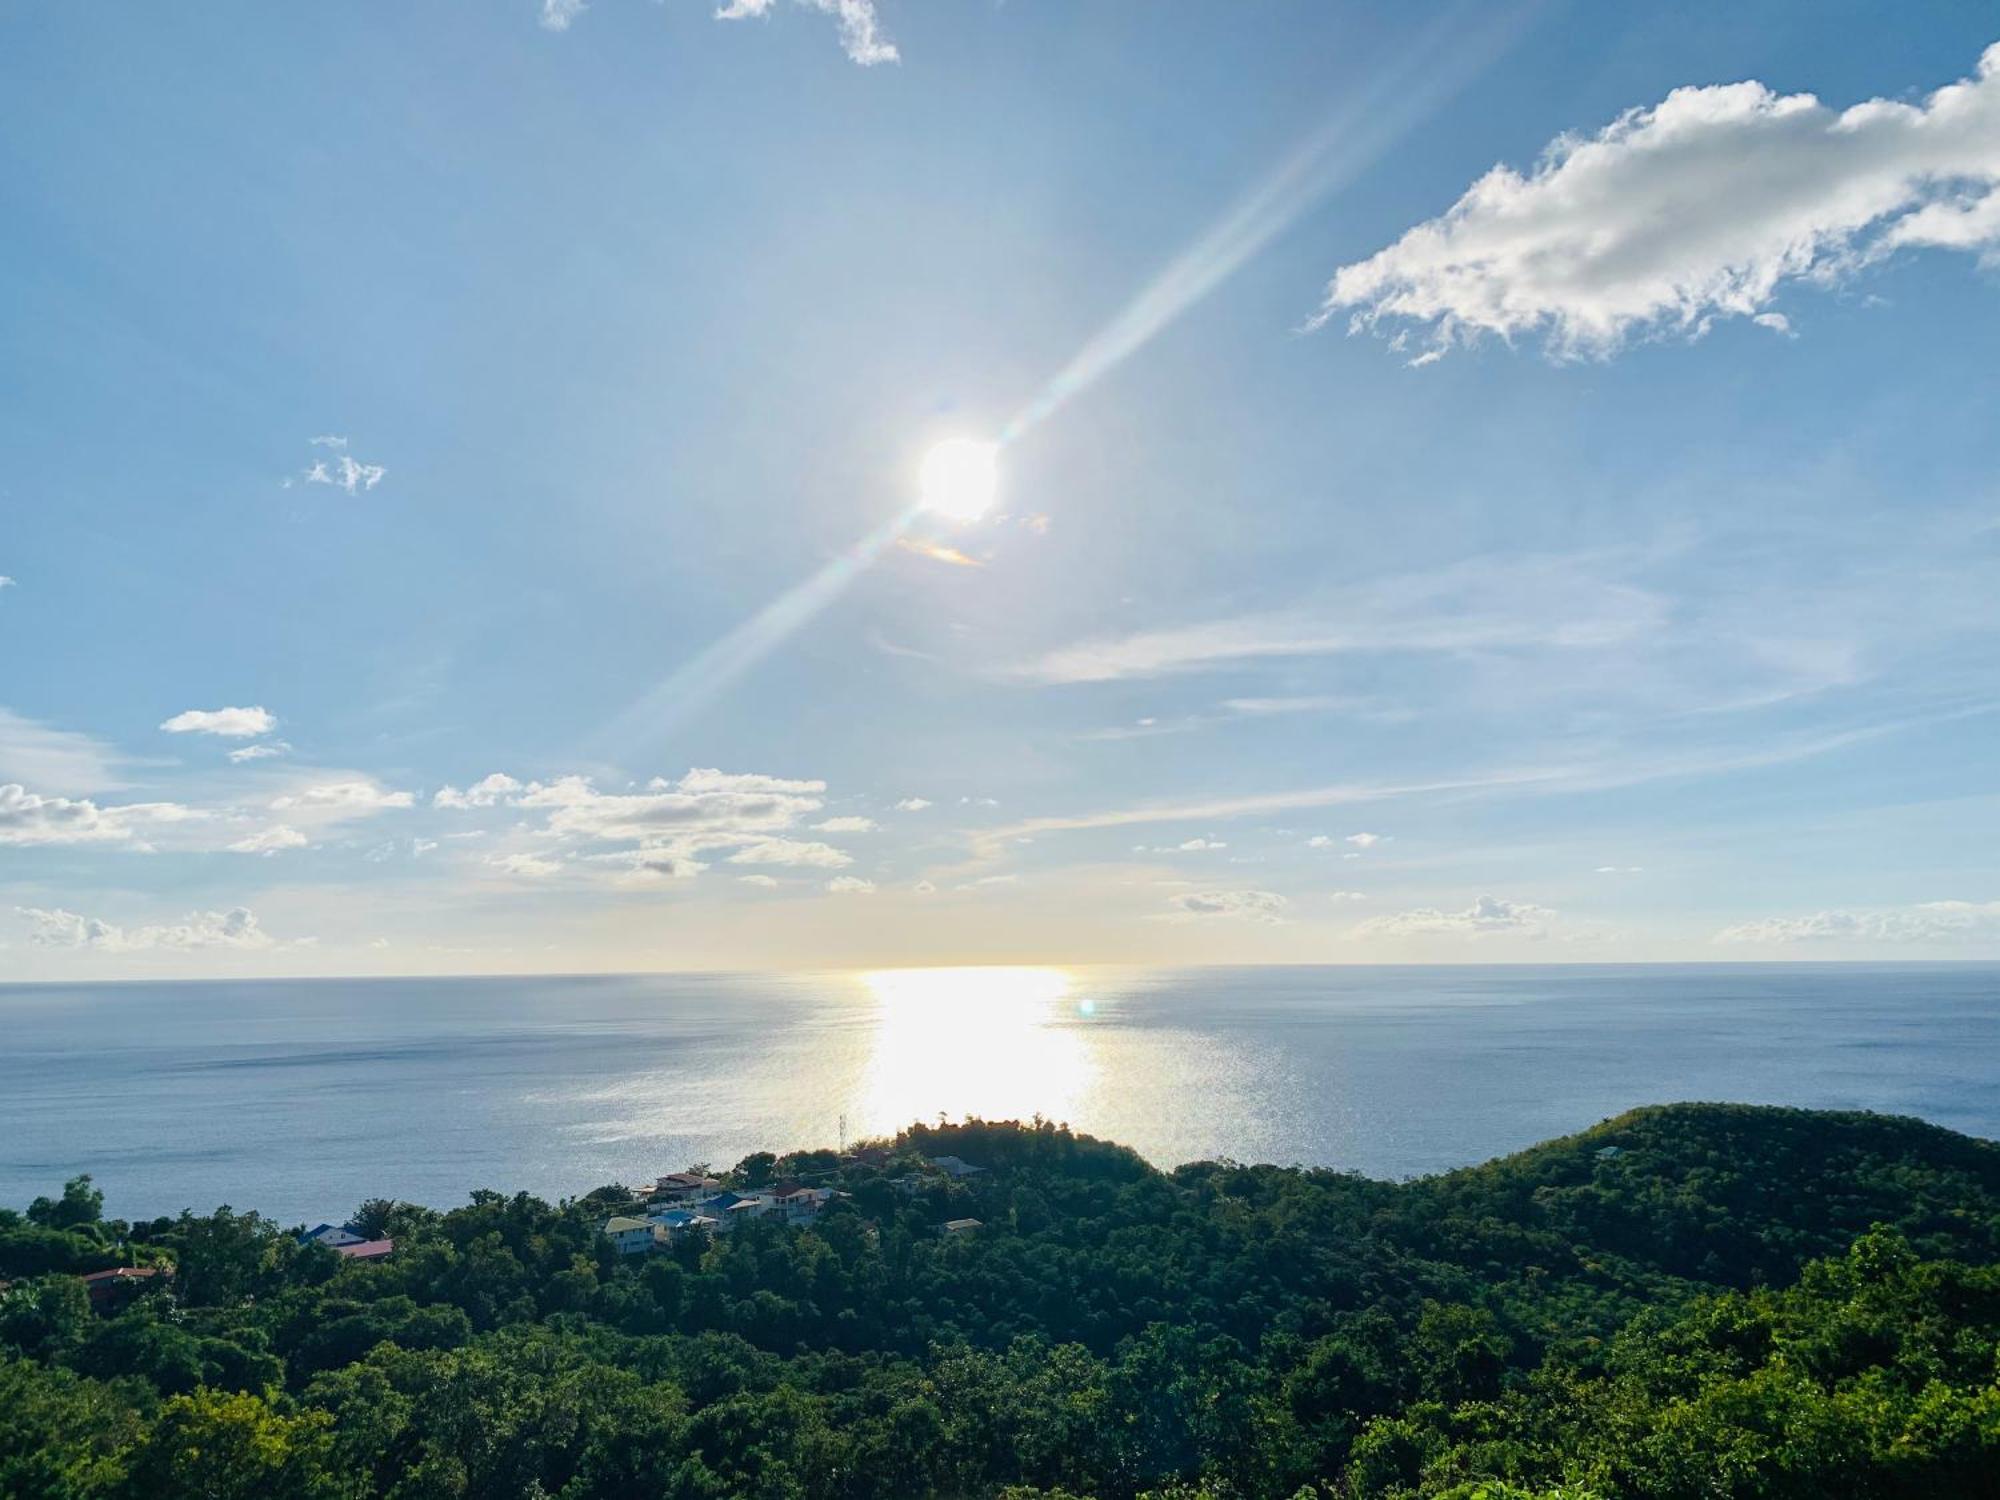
x=267, y=751
x=1265, y=707
x=344, y=798
x=791, y=852
x=27, y=818
x=532, y=866
x=345, y=472
x=1700, y=207
x=913, y=804
x=847, y=825
x=231, y=723
x=712, y=780
x=1357, y=840
x=1487, y=917
x=860, y=30
x=1487, y=604
x=57, y=928
x=1365, y=840
x=1257, y=906
x=488, y=791
x=1190, y=846
x=764, y=882
x=1344, y=896
x=270, y=841
x=850, y=885
x=557, y=14
x=1941, y=922
x=1621, y=870
x=6, y=582
x=698, y=804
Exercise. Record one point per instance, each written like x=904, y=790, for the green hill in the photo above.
x=1692, y=1300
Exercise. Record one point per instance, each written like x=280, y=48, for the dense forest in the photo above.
x=1691, y=1301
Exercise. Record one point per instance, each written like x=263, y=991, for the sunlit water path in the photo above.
x=302, y=1097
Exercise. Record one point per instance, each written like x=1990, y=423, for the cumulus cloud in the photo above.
x=1357, y=840
x=6, y=582
x=1941, y=922
x=1700, y=207
x=28, y=818
x=57, y=928
x=1344, y=896
x=270, y=841
x=850, y=885
x=488, y=791
x=231, y=723
x=913, y=804
x=557, y=14
x=764, y=882
x=267, y=751
x=1489, y=916
x=1256, y=906
x=861, y=35
x=847, y=825
x=673, y=826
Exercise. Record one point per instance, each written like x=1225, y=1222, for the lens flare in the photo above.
x=960, y=479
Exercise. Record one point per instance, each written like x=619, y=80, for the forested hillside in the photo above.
x=1690, y=1301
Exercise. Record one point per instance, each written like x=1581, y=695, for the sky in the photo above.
x=1476, y=484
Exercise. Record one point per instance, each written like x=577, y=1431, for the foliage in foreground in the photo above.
x=1737, y=1303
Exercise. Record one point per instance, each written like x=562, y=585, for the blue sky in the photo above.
x=1530, y=492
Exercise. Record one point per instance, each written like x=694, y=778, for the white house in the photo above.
x=632, y=1236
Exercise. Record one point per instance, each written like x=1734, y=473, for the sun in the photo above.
x=960, y=478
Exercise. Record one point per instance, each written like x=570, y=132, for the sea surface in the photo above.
x=300, y=1098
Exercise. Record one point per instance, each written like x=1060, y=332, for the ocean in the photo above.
x=300, y=1098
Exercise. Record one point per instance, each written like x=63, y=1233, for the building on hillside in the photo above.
x=685, y=1187
x=953, y=1227
x=953, y=1166
x=631, y=1236
x=1609, y=1153
x=333, y=1236
x=675, y=1222
x=114, y=1288
x=380, y=1249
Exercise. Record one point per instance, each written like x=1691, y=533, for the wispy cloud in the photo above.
x=268, y=751
x=861, y=35
x=1484, y=604
x=558, y=14
x=57, y=760
x=1703, y=206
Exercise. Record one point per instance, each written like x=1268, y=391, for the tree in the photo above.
x=79, y=1205
x=224, y=1447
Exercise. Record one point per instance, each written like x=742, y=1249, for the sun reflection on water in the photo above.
x=1001, y=1043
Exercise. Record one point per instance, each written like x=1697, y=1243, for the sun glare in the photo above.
x=960, y=478
x=1000, y=1043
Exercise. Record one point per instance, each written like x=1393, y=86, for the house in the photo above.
x=114, y=1288
x=1609, y=1153
x=333, y=1236
x=675, y=1222
x=953, y=1166
x=366, y=1250
x=685, y=1187
x=631, y=1236
x=797, y=1203
x=952, y=1227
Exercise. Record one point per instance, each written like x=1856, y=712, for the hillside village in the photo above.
x=679, y=1204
